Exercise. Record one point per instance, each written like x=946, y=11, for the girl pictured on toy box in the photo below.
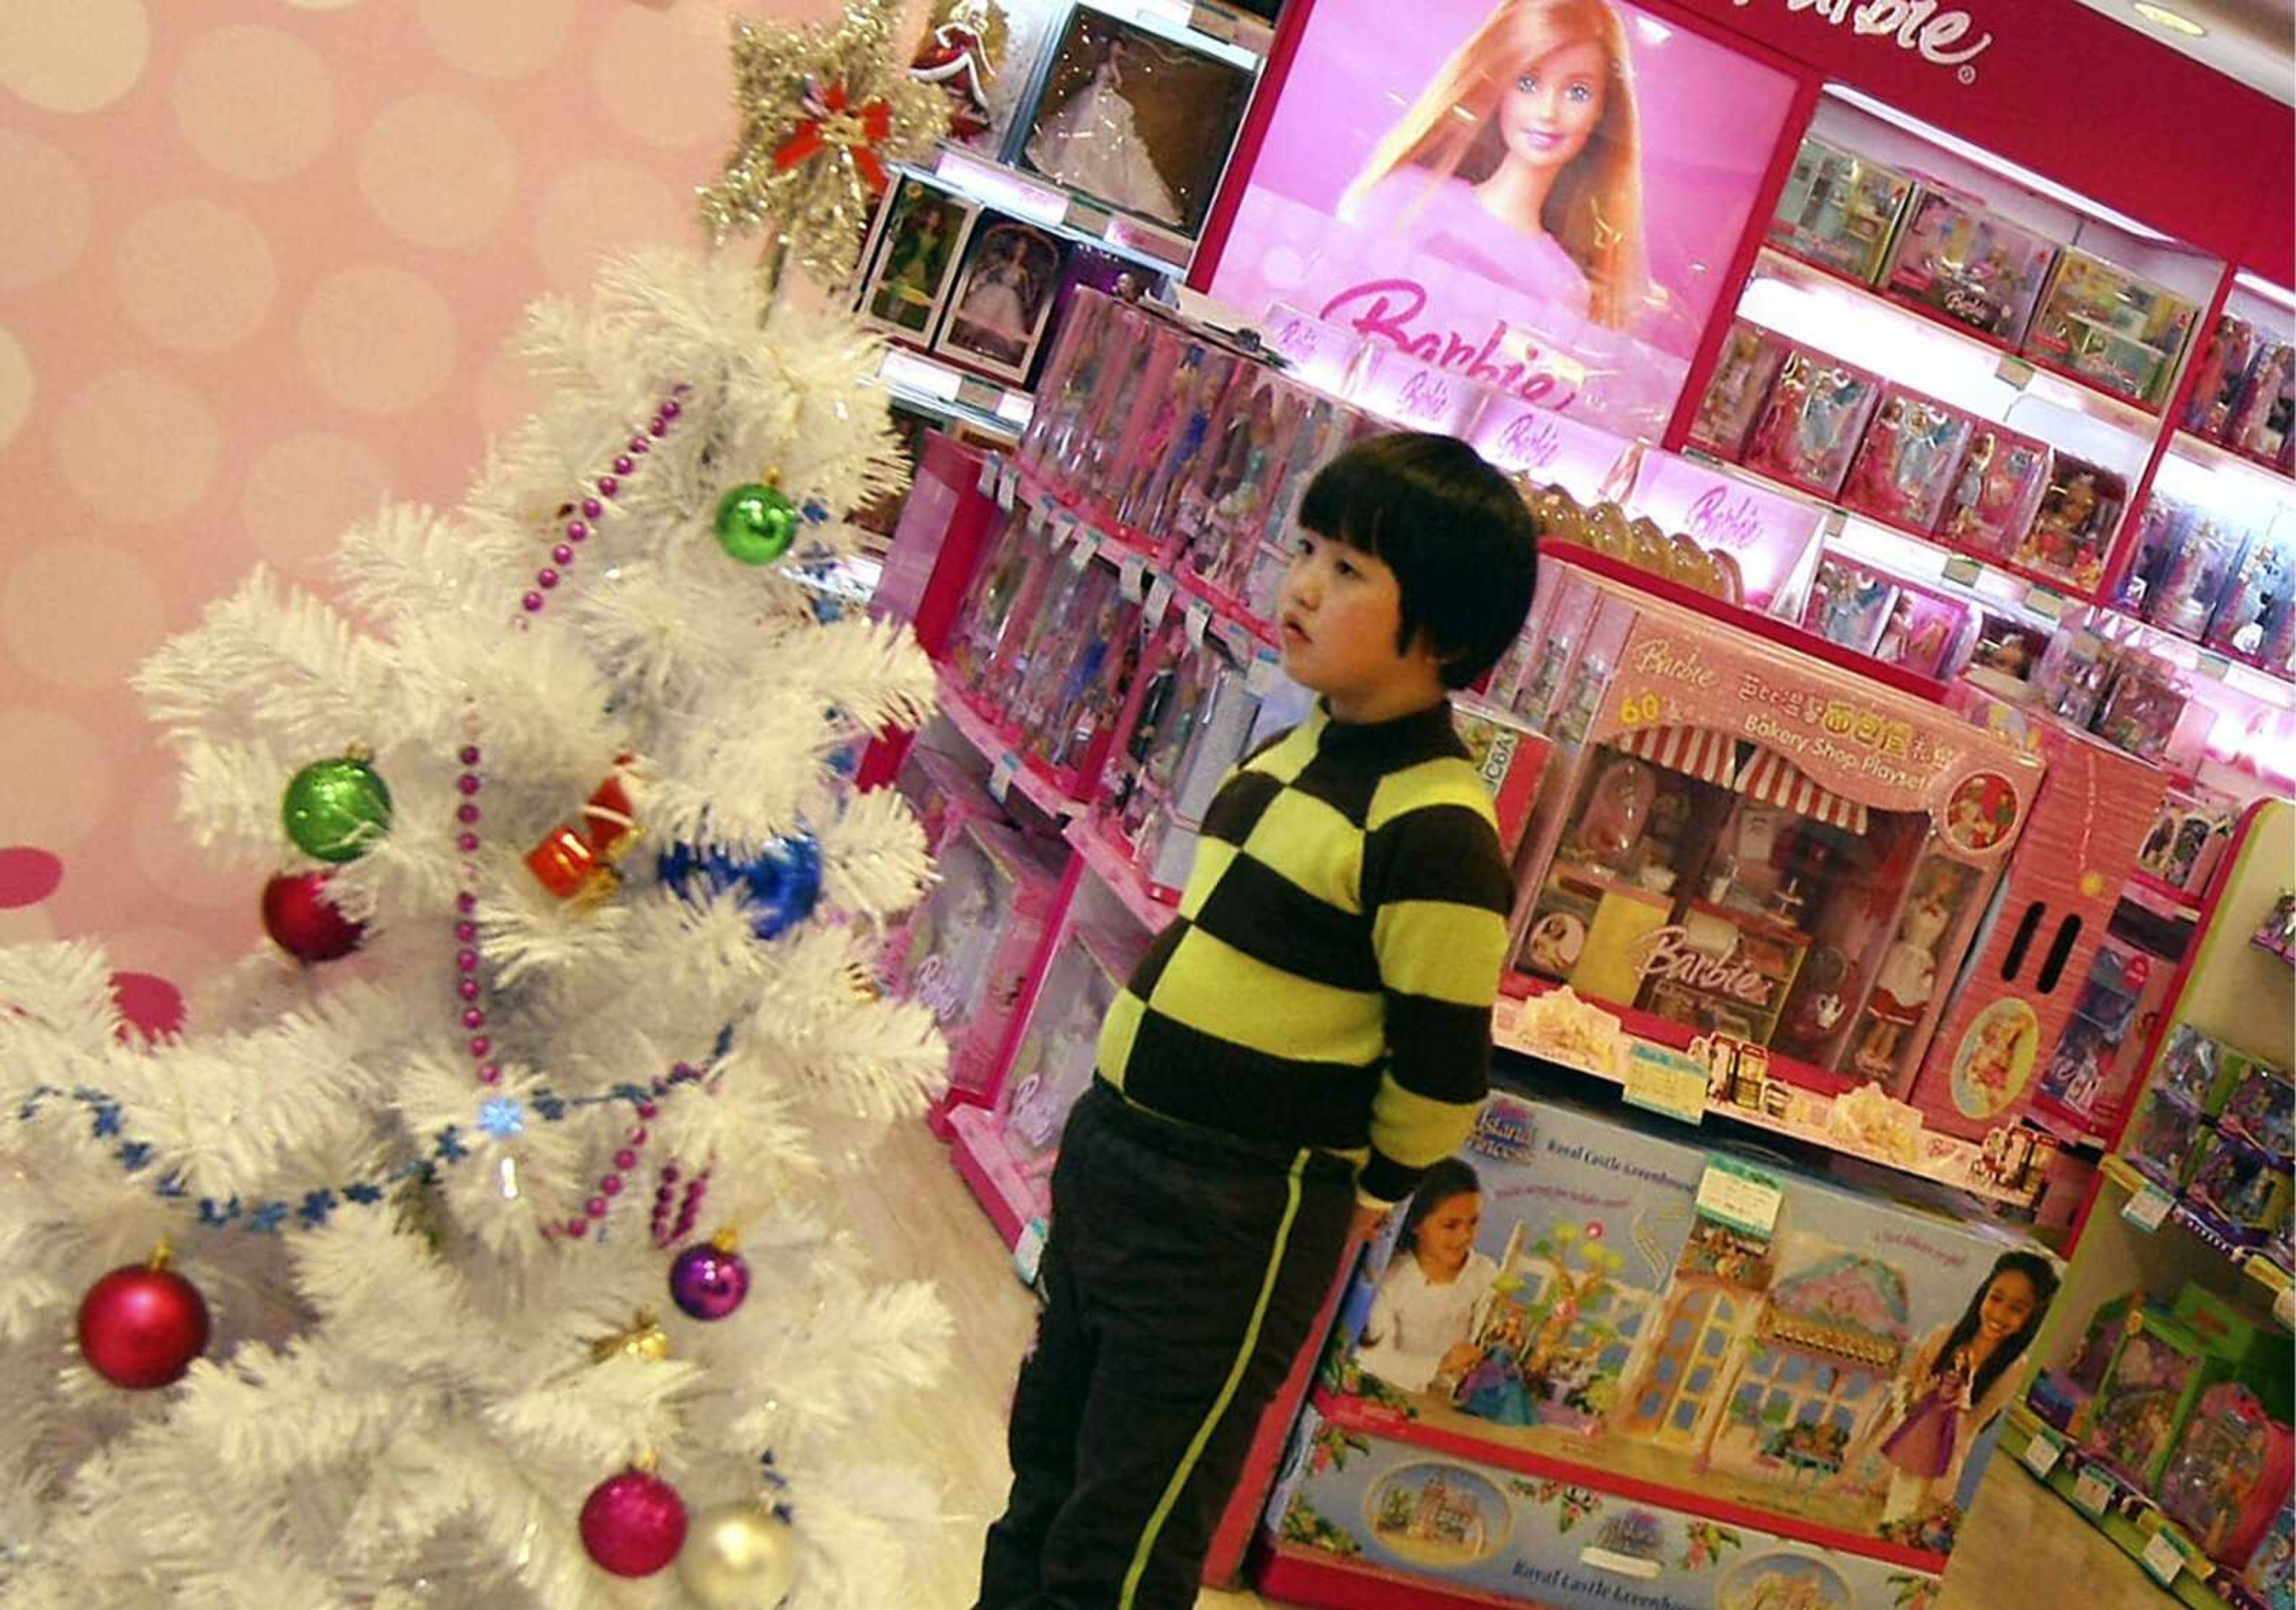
x=1530, y=123
x=1960, y=1378
x=1421, y=1318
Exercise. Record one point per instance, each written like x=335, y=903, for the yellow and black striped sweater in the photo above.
x=1329, y=980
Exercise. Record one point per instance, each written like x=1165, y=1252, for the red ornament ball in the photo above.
x=303, y=922
x=142, y=1326
x=634, y=1523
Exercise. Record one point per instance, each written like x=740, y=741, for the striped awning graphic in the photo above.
x=1772, y=779
x=1699, y=752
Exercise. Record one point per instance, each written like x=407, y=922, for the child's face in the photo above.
x=2009, y=1302
x=1341, y=614
x=1446, y=1235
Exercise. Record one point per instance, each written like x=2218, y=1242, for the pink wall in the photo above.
x=257, y=261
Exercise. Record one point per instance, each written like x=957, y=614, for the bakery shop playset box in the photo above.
x=1732, y=838
x=1582, y=1301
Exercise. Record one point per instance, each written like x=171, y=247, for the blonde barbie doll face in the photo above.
x=1550, y=107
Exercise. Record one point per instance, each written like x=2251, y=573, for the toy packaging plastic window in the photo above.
x=1136, y=121
x=1810, y=426
x=1003, y=301
x=1750, y=361
x=1973, y=266
x=1741, y=842
x=1906, y=466
x=1054, y=1062
x=1839, y=209
x=2123, y=333
x=2072, y=531
x=2229, y=1474
x=1996, y=490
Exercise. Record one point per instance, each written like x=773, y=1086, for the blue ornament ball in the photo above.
x=781, y=885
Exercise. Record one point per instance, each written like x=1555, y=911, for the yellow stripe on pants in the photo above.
x=1196, y=1445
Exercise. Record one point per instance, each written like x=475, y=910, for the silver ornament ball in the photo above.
x=739, y=1556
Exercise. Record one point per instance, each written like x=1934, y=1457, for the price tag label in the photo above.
x=2163, y=1559
x=2015, y=371
x=1238, y=642
x=1087, y=545
x=989, y=462
x=2215, y=665
x=1008, y=486
x=1199, y=616
x=2284, y=1306
x=1029, y=1250
x=1135, y=573
x=1740, y=1195
x=1160, y=600
x=976, y=393
x=1066, y=527
x=1267, y=666
x=1667, y=1082
x=1961, y=570
x=2042, y=1454
x=2043, y=602
x=2092, y=1493
x=2147, y=1208
x=1001, y=776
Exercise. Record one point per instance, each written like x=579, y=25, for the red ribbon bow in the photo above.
x=859, y=132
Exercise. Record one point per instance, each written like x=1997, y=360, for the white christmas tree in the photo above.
x=500, y=1275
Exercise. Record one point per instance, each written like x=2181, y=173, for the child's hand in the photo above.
x=1368, y=1223
x=1462, y=1358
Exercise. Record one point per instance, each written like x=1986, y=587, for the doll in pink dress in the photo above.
x=1960, y=1377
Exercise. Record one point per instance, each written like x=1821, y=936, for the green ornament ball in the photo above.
x=336, y=809
x=757, y=523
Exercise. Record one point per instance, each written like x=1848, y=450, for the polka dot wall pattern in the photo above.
x=260, y=260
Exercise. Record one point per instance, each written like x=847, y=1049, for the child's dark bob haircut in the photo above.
x=1462, y=546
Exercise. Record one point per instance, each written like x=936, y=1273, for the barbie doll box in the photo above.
x=1967, y=265
x=1735, y=839
x=1559, y=1296
x=2026, y=982
x=1361, y=1519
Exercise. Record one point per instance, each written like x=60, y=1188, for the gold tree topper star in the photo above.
x=826, y=111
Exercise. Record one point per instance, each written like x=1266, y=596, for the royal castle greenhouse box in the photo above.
x=1601, y=1299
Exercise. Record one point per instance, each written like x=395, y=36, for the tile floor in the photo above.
x=2022, y=1549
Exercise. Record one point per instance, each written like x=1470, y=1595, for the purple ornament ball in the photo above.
x=707, y=1282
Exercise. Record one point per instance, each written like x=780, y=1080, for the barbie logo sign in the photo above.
x=1721, y=520
x=1389, y=310
x=1667, y=953
x=1917, y=26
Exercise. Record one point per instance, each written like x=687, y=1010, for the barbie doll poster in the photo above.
x=1543, y=195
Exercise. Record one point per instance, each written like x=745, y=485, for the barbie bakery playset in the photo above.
x=1580, y=1303
x=1733, y=839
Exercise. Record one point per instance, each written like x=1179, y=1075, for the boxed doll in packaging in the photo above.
x=2094, y=1062
x=2239, y=1190
x=1052, y=1063
x=2219, y=374
x=2261, y=1110
x=1557, y=1287
x=1839, y=209
x=1750, y=361
x=966, y=952
x=2164, y=1142
x=1810, y=425
x=1002, y=600
x=2071, y=532
x=2103, y=323
x=2260, y=423
x=1850, y=603
x=913, y=257
x=1094, y=351
x=1163, y=458
x=2143, y=706
x=2257, y=596
x=2199, y=1070
x=1003, y=301
x=2228, y=1475
x=1996, y=491
x=1134, y=120
x=1089, y=680
x=2007, y=653
x=2159, y=1371
x=1973, y=266
x=2188, y=837
x=1905, y=467
x=1927, y=632
x=1107, y=454
x=945, y=792
x=2186, y=557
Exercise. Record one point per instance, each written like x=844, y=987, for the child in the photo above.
x=1305, y=1040
x=1959, y=1379
x=1420, y=1322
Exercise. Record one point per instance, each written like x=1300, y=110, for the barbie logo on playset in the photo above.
x=1542, y=215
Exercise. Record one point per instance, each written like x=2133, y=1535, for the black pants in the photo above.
x=1183, y=1274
